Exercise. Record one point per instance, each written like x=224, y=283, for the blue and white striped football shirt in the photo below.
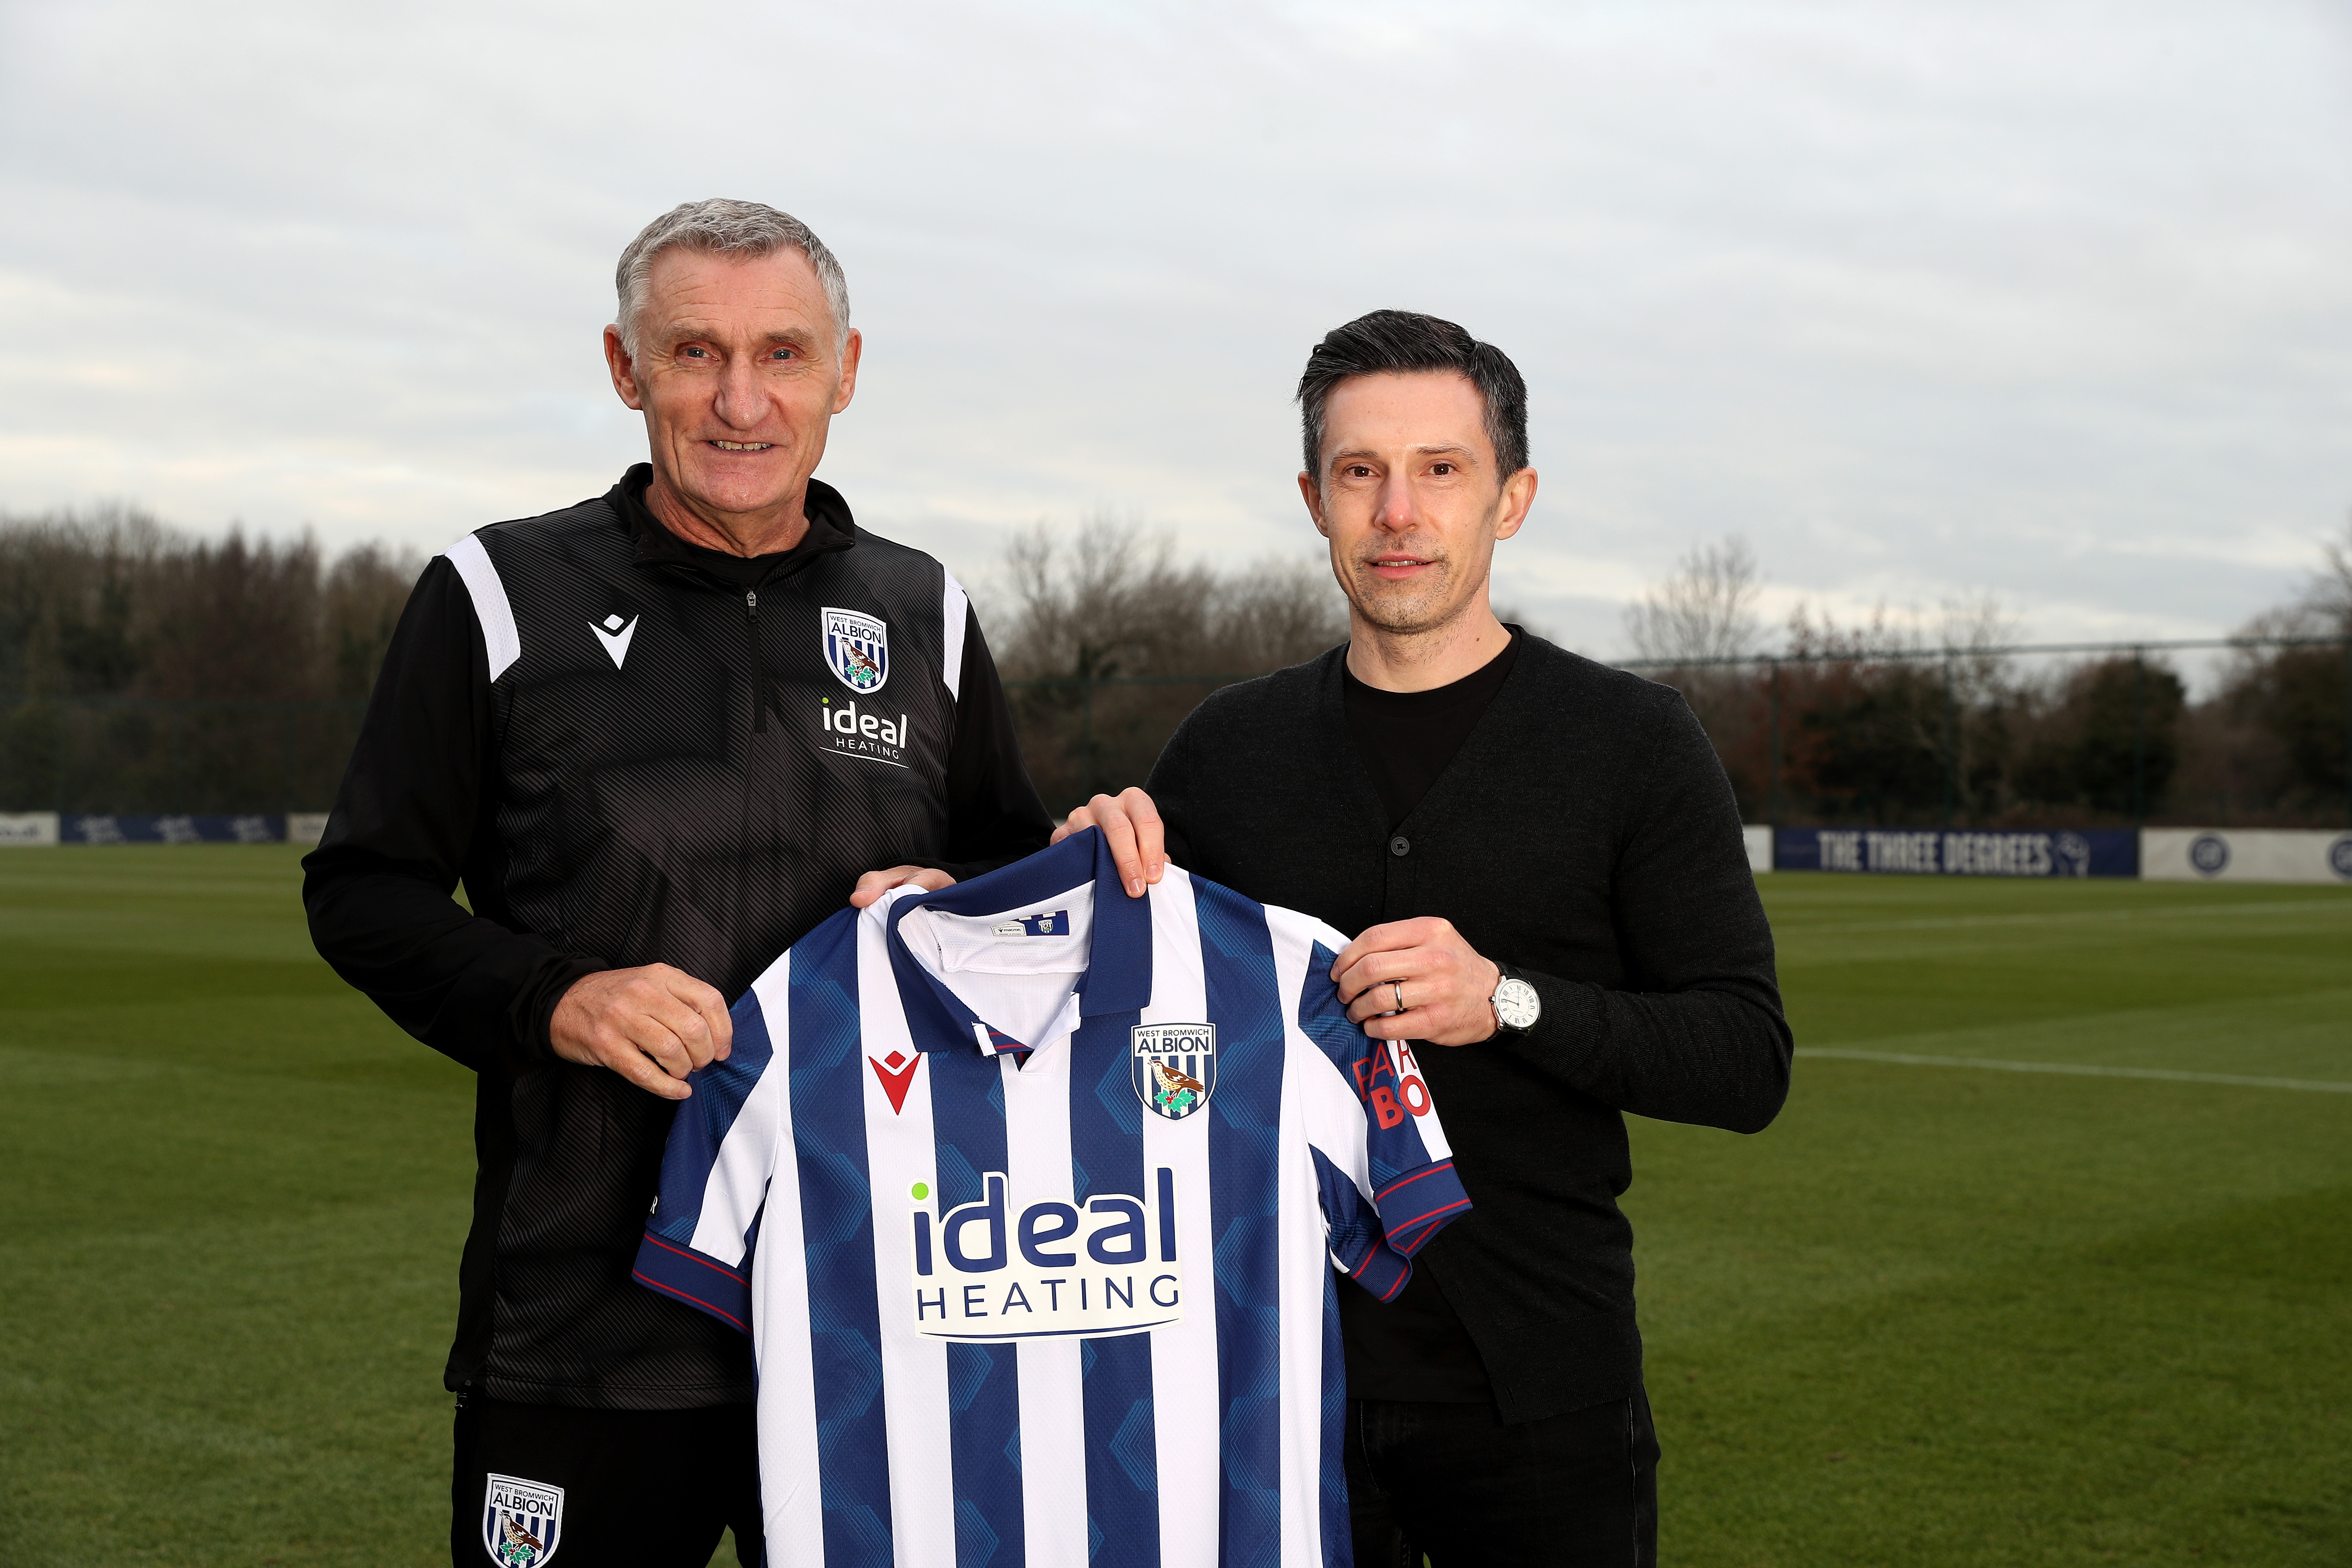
x=1030, y=1195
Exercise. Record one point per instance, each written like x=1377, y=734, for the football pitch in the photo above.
x=1948, y=1312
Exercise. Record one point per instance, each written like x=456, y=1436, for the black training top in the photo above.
x=1415, y=1347
x=631, y=750
x=1586, y=836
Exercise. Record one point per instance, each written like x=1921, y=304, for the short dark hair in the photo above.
x=1395, y=340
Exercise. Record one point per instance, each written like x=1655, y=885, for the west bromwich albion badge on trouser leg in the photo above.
x=1175, y=1067
x=523, y=1521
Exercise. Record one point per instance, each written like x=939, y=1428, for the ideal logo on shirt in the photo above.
x=996, y=1270
x=878, y=737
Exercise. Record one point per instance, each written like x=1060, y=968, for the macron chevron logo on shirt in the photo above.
x=1030, y=1195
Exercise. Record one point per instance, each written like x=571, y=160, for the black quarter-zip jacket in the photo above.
x=630, y=750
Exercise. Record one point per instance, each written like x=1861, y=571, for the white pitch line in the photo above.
x=2072, y=916
x=2168, y=1073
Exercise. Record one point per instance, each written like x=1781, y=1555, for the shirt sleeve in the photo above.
x=722, y=1148
x=994, y=814
x=411, y=820
x=1697, y=1034
x=1385, y=1170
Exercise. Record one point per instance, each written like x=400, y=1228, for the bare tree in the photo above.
x=1111, y=601
x=2329, y=596
x=1706, y=611
x=1104, y=634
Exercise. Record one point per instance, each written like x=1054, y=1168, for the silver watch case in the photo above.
x=1516, y=1006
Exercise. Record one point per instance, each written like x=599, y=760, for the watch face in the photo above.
x=1517, y=1004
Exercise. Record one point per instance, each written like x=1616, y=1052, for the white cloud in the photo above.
x=1927, y=299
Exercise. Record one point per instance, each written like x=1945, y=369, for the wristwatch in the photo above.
x=1516, y=1006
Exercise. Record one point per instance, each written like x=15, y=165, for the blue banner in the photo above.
x=111, y=828
x=1960, y=851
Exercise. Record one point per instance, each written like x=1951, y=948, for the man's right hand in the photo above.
x=1131, y=823
x=653, y=1025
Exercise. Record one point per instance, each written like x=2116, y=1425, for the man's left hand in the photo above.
x=874, y=884
x=1446, y=983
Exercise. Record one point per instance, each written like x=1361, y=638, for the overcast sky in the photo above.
x=2051, y=301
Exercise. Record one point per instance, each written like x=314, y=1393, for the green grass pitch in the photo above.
x=1941, y=1315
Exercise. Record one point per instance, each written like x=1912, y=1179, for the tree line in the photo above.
x=146, y=668
x=1900, y=722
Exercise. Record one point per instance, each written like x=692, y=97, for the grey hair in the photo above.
x=717, y=227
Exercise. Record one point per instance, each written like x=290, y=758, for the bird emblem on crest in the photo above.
x=1175, y=1067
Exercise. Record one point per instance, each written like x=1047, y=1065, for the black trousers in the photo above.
x=612, y=1489
x=1574, y=1490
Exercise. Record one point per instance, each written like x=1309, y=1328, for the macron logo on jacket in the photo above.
x=616, y=637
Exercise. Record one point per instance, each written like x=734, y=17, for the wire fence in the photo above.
x=2013, y=734
x=1956, y=736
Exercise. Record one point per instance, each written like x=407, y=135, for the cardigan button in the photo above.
x=1399, y=845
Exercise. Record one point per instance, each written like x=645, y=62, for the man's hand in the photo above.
x=1131, y=823
x=874, y=884
x=1447, y=986
x=652, y=1026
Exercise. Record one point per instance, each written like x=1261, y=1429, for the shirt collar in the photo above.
x=830, y=528
x=1119, y=954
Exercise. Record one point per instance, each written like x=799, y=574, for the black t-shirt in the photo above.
x=1415, y=1346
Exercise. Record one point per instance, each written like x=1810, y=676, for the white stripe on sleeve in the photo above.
x=953, y=607
x=490, y=606
x=737, y=1188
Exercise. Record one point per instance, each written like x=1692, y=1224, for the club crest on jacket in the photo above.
x=856, y=649
x=1175, y=1067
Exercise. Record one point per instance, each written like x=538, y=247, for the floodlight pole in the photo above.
x=1772, y=768
x=286, y=759
x=1951, y=745
x=2139, y=736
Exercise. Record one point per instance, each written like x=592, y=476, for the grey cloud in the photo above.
x=1923, y=299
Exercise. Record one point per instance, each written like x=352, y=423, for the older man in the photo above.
x=1544, y=868
x=657, y=735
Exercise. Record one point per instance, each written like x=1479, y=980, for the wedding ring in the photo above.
x=1396, y=989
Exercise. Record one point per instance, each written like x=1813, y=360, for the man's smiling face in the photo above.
x=1410, y=499
x=738, y=370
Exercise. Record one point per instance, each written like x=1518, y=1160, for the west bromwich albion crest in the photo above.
x=856, y=649
x=1175, y=1067
x=523, y=1521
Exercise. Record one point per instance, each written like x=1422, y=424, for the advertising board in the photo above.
x=28, y=828
x=1959, y=852
x=2245, y=855
x=97, y=827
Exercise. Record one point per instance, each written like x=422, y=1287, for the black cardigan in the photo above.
x=1586, y=836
